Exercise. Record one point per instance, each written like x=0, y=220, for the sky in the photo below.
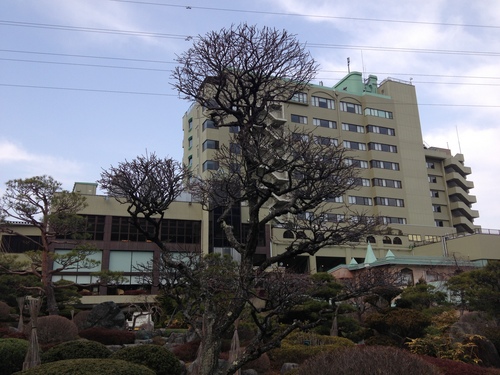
x=86, y=84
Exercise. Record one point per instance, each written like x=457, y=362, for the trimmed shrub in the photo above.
x=108, y=336
x=54, y=329
x=12, y=333
x=186, y=352
x=450, y=367
x=381, y=340
x=80, y=319
x=4, y=311
x=313, y=339
x=367, y=360
x=87, y=366
x=76, y=349
x=12, y=353
x=301, y=353
x=159, y=359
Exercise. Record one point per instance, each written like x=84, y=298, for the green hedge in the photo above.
x=12, y=354
x=157, y=358
x=76, y=349
x=88, y=366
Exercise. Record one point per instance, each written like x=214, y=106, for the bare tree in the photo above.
x=283, y=175
x=40, y=202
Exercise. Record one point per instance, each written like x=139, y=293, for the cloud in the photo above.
x=18, y=162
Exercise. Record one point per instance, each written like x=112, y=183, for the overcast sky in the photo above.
x=85, y=84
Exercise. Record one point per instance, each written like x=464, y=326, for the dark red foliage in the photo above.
x=449, y=367
x=108, y=336
x=10, y=333
x=186, y=352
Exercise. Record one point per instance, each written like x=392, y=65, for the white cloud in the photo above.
x=18, y=162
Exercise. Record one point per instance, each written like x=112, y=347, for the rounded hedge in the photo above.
x=157, y=358
x=87, y=366
x=76, y=349
x=367, y=360
x=12, y=354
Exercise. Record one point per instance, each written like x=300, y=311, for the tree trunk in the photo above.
x=210, y=347
x=52, y=308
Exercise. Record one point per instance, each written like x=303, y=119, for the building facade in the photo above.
x=420, y=193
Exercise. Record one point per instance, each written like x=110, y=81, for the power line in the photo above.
x=86, y=90
x=94, y=30
x=189, y=37
x=190, y=7
x=173, y=62
x=87, y=65
x=174, y=95
x=88, y=56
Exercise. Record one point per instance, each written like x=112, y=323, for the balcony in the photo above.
x=457, y=166
x=462, y=224
x=460, y=180
x=464, y=210
x=462, y=194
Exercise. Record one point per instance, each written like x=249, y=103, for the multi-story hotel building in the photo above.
x=421, y=193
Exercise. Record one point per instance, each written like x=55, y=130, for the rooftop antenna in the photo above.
x=458, y=138
x=348, y=65
x=363, y=63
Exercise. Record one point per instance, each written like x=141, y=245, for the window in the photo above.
x=288, y=234
x=325, y=141
x=382, y=147
x=190, y=142
x=299, y=119
x=299, y=97
x=430, y=165
x=392, y=220
x=334, y=218
x=436, y=208
x=387, y=183
x=432, y=179
x=439, y=223
x=324, y=123
x=350, y=107
x=357, y=163
x=335, y=199
x=317, y=101
x=407, y=276
x=360, y=200
x=377, y=113
x=190, y=124
x=384, y=165
x=414, y=237
x=208, y=124
x=128, y=261
x=370, y=239
x=358, y=181
x=210, y=165
x=434, y=193
x=353, y=128
x=210, y=144
x=234, y=148
x=355, y=145
x=380, y=130
x=397, y=241
x=234, y=129
x=300, y=137
x=383, y=201
x=190, y=160
x=387, y=240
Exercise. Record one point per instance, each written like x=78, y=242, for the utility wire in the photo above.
x=173, y=62
x=190, y=7
x=189, y=37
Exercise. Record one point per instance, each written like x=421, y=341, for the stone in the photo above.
x=106, y=315
x=287, y=367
